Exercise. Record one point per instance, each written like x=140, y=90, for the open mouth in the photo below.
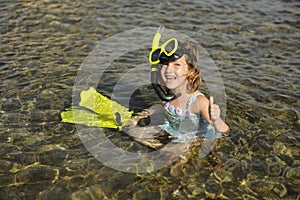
x=170, y=78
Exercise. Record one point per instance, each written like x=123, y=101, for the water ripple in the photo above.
x=255, y=44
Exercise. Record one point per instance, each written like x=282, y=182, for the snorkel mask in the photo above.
x=170, y=51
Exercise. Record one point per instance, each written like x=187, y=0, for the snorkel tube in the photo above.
x=165, y=95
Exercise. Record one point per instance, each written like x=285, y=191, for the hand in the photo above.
x=214, y=110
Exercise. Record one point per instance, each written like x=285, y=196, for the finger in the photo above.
x=214, y=112
x=211, y=100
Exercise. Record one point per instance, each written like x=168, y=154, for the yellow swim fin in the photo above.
x=97, y=110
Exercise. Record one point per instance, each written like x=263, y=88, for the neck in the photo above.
x=182, y=99
x=180, y=91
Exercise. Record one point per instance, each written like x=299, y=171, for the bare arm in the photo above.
x=211, y=113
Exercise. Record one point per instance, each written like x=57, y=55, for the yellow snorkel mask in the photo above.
x=167, y=49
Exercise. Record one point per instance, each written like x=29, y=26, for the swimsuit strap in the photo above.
x=192, y=99
x=186, y=112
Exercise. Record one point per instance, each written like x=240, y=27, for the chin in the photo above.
x=171, y=86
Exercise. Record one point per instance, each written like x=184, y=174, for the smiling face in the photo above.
x=173, y=74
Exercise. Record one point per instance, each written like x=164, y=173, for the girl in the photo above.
x=190, y=114
x=187, y=113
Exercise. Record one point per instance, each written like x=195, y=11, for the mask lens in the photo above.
x=155, y=55
x=163, y=52
x=170, y=46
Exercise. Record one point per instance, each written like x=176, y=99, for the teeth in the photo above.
x=170, y=77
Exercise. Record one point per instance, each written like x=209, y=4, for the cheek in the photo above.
x=163, y=69
x=181, y=78
x=184, y=70
x=177, y=68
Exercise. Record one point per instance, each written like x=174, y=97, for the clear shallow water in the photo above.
x=254, y=44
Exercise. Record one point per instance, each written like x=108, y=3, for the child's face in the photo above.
x=173, y=74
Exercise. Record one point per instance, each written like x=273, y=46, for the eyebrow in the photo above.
x=181, y=63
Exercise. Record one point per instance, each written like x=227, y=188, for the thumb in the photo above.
x=211, y=101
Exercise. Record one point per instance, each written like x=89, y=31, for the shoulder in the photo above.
x=201, y=104
x=200, y=96
x=202, y=101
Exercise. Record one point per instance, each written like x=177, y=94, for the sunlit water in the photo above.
x=255, y=45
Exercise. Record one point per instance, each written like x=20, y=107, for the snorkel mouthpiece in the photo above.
x=164, y=95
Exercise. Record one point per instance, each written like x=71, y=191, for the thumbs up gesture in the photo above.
x=214, y=110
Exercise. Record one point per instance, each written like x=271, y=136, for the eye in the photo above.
x=177, y=66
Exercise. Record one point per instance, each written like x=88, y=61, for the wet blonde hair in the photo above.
x=192, y=59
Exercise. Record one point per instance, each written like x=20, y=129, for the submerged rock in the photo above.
x=52, y=157
x=291, y=116
x=230, y=190
x=280, y=190
x=195, y=188
x=36, y=174
x=252, y=116
x=11, y=105
x=55, y=191
x=93, y=192
x=223, y=176
x=293, y=173
x=274, y=168
x=289, y=150
x=212, y=189
x=77, y=182
x=260, y=186
x=6, y=166
x=145, y=194
x=6, y=179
